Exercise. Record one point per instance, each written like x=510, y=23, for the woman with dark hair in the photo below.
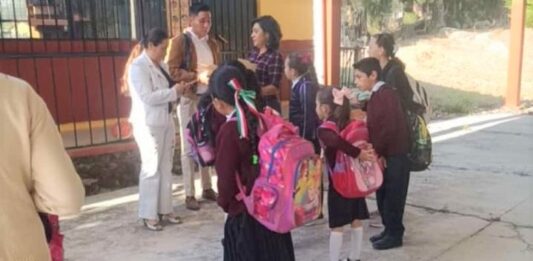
x=152, y=93
x=236, y=157
x=266, y=36
x=382, y=47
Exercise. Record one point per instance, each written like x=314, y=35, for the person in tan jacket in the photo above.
x=36, y=174
x=193, y=56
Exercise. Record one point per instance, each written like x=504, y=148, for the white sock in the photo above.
x=356, y=243
x=335, y=245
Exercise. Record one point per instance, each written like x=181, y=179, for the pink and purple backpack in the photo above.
x=353, y=178
x=286, y=194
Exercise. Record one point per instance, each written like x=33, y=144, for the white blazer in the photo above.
x=150, y=93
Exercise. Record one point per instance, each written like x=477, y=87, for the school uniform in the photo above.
x=268, y=72
x=302, y=112
x=244, y=237
x=154, y=132
x=388, y=134
x=342, y=211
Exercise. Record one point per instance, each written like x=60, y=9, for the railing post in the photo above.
x=516, y=49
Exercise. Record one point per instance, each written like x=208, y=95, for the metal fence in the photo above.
x=73, y=53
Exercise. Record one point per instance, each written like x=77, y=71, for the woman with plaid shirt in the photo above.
x=266, y=35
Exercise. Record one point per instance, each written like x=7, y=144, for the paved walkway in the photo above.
x=476, y=203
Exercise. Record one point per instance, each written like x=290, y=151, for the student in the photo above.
x=382, y=47
x=266, y=36
x=333, y=105
x=302, y=113
x=388, y=134
x=236, y=156
x=193, y=55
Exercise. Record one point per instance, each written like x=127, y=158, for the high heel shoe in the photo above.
x=154, y=227
x=172, y=219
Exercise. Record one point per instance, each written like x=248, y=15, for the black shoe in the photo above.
x=388, y=242
x=377, y=237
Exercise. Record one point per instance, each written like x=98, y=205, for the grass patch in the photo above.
x=447, y=101
x=529, y=11
x=409, y=18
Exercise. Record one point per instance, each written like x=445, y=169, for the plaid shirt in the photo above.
x=269, y=67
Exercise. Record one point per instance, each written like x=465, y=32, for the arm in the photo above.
x=308, y=96
x=385, y=120
x=226, y=165
x=275, y=71
x=398, y=79
x=57, y=186
x=139, y=79
x=332, y=140
x=174, y=59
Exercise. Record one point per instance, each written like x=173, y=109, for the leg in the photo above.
x=149, y=178
x=356, y=240
x=187, y=165
x=167, y=156
x=335, y=243
x=208, y=192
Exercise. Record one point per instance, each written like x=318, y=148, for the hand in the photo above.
x=358, y=114
x=180, y=88
x=190, y=76
x=383, y=162
x=249, y=65
x=203, y=77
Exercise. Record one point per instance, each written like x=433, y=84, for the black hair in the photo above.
x=251, y=82
x=270, y=26
x=219, y=88
x=196, y=8
x=386, y=41
x=341, y=113
x=303, y=64
x=155, y=36
x=368, y=65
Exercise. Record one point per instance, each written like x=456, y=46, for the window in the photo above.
x=66, y=19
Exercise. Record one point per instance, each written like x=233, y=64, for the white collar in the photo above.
x=377, y=86
x=230, y=116
x=295, y=81
x=149, y=60
x=194, y=36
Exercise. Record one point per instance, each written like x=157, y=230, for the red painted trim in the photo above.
x=103, y=149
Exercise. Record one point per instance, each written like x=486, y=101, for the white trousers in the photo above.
x=156, y=146
x=186, y=109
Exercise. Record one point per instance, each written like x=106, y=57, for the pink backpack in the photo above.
x=287, y=192
x=353, y=178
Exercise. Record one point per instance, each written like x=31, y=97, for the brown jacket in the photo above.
x=176, y=53
x=36, y=174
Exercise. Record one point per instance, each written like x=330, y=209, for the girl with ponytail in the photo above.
x=236, y=154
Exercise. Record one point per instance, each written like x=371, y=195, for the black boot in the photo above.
x=377, y=237
x=388, y=242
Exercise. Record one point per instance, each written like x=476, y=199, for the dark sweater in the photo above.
x=233, y=157
x=332, y=142
x=394, y=75
x=302, y=111
x=386, y=123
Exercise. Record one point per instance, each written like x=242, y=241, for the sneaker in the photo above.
x=191, y=203
x=209, y=194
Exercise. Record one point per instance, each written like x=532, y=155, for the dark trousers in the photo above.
x=392, y=195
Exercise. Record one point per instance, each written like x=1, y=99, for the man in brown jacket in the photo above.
x=192, y=56
x=36, y=175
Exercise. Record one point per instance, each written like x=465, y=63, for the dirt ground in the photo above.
x=467, y=60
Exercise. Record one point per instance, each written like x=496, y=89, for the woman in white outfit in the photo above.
x=152, y=94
